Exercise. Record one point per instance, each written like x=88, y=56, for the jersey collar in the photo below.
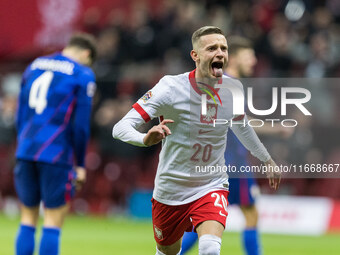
x=193, y=83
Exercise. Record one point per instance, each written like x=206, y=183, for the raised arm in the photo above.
x=152, y=104
x=126, y=130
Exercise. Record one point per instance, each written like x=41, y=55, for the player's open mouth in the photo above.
x=217, y=68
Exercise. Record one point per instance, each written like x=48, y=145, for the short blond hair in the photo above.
x=206, y=30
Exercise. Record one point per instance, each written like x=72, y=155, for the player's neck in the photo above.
x=71, y=54
x=207, y=80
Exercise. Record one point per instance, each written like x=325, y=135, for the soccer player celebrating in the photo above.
x=184, y=198
x=53, y=121
x=243, y=191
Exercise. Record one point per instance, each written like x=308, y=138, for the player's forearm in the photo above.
x=126, y=129
x=250, y=140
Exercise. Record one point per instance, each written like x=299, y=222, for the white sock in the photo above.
x=158, y=252
x=209, y=245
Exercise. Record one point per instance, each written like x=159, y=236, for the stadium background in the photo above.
x=139, y=42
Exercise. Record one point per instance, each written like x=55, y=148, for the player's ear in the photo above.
x=86, y=57
x=194, y=55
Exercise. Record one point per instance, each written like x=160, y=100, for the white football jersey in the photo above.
x=194, y=142
x=196, y=145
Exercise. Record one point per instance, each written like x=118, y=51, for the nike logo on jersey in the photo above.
x=201, y=131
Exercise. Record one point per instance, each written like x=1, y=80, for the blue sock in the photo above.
x=189, y=239
x=49, y=244
x=251, y=242
x=24, y=244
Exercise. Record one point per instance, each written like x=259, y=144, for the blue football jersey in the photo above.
x=54, y=108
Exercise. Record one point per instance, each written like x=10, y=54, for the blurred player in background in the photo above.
x=53, y=125
x=182, y=200
x=243, y=191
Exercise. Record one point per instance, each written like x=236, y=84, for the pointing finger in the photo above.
x=166, y=121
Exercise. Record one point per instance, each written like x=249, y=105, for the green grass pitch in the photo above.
x=86, y=235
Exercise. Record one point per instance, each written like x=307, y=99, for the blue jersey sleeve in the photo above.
x=20, y=115
x=81, y=124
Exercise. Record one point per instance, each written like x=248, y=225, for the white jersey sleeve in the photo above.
x=126, y=129
x=250, y=140
x=155, y=102
x=152, y=104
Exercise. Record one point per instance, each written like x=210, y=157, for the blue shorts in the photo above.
x=242, y=191
x=37, y=181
